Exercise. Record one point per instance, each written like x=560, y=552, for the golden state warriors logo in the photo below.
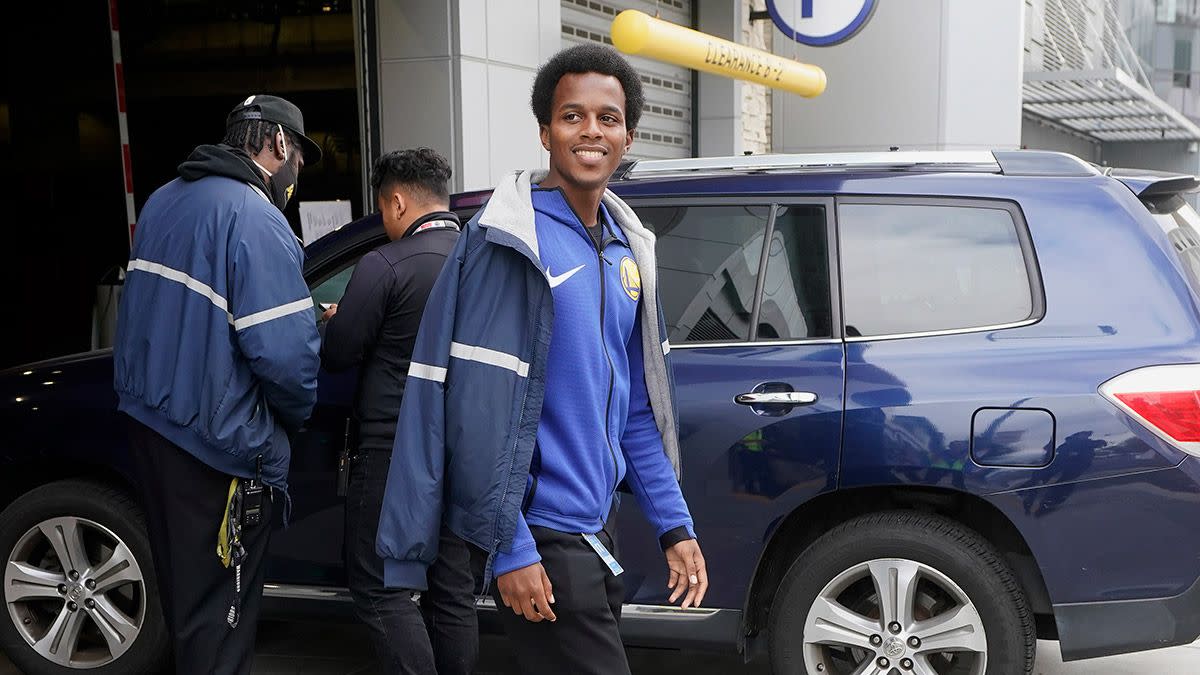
x=631, y=281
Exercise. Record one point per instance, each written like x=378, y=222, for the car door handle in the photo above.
x=777, y=397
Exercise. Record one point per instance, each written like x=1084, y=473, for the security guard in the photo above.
x=216, y=363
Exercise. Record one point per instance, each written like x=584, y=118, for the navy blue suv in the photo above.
x=933, y=407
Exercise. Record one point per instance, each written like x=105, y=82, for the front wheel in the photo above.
x=900, y=593
x=79, y=589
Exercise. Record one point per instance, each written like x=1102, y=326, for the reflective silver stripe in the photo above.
x=666, y=347
x=182, y=278
x=489, y=356
x=426, y=372
x=272, y=314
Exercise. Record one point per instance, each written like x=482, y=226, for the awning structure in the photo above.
x=1106, y=104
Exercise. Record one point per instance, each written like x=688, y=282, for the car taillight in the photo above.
x=1165, y=399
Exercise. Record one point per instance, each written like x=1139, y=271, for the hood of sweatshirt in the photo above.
x=223, y=160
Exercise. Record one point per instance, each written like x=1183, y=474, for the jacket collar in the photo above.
x=434, y=220
x=509, y=219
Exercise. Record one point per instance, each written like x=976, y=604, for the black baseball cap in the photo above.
x=278, y=111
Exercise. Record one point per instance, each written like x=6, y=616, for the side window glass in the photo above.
x=918, y=268
x=708, y=260
x=332, y=288
x=796, y=300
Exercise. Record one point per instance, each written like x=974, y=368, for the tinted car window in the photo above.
x=795, y=298
x=916, y=268
x=708, y=260
x=331, y=289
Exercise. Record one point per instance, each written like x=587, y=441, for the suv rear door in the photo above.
x=747, y=325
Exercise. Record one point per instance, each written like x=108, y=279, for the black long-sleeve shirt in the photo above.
x=376, y=325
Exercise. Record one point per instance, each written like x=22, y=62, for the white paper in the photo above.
x=318, y=219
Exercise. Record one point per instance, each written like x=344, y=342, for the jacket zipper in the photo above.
x=600, y=263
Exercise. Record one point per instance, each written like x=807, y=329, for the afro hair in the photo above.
x=587, y=59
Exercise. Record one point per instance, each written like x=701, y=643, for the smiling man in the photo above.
x=544, y=385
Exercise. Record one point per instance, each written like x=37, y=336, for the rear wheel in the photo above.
x=900, y=593
x=79, y=590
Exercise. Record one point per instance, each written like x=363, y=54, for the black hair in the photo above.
x=587, y=59
x=421, y=168
x=254, y=134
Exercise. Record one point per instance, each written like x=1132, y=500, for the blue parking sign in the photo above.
x=820, y=23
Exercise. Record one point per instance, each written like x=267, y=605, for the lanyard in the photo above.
x=434, y=221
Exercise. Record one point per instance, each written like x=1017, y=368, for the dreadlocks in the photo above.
x=253, y=135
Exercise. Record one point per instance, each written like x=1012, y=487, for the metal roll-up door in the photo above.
x=665, y=131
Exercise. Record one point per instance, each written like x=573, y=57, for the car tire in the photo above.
x=953, y=588
x=117, y=606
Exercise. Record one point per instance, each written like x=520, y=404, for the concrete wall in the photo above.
x=734, y=115
x=1163, y=156
x=455, y=76
x=756, y=98
x=1037, y=136
x=719, y=98
x=919, y=75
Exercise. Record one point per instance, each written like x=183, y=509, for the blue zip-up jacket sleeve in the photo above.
x=274, y=318
x=356, y=325
x=649, y=473
x=411, y=517
x=524, y=550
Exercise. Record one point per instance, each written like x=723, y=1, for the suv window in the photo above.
x=709, y=263
x=1182, y=225
x=708, y=260
x=332, y=289
x=909, y=268
x=795, y=297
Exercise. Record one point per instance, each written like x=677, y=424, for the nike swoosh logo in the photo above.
x=556, y=281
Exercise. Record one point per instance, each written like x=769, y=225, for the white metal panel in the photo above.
x=665, y=130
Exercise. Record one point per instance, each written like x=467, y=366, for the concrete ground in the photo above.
x=293, y=648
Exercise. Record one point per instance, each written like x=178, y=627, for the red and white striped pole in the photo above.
x=119, y=75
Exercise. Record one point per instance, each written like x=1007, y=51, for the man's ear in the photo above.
x=399, y=202
x=280, y=143
x=544, y=134
x=629, y=134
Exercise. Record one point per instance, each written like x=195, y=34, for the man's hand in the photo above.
x=527, y=591
x=329, y=313
x=688, y=573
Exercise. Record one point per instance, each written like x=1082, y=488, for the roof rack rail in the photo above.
x=841, y=161
x=1007, y=162
x=1042, y=163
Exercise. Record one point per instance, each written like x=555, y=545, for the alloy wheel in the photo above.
x=75, y=592
x=894, y=617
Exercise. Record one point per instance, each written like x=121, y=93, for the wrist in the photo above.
x=675, y=535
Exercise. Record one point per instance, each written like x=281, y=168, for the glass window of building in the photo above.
x=1183, y=63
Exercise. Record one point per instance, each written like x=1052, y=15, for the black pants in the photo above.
x=441, y=633
x=184, y=500
x=584, y=639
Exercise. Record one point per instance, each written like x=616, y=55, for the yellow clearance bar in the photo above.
x=637, y=33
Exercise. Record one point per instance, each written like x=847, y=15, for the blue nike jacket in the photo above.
x=487, y=440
